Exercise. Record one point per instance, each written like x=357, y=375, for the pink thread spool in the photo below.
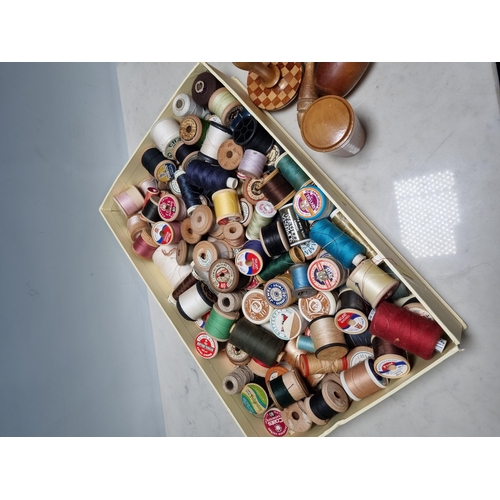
x=129, y=201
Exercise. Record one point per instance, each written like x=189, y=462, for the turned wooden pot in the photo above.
x=338, y=78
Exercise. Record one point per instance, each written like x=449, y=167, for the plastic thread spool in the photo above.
x=297, y=230
x=330, y=125
x=328, y=340
x=358, y=355
x=407, y=330
x=310, y=203
x=234, y=382
x=229, y=155
x=189, y=193
x=226, y=206
x=144, y=246
x=325, y=274
x=389, y=361
x=129, y=201
x=352, y=313
x=286, y=389
x=236, y=355
x=361, y=380
x=250, y=134
x=165, y=134
x=255, y=307
x=287, y=323
x=292, y=171
x=320, y=304
x=371, y=283
x=301, y=286
x=296, y=418
x=223, y=104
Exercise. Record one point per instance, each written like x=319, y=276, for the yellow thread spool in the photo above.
x=227, y=206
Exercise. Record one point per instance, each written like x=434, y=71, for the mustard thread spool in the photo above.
x=226, y=206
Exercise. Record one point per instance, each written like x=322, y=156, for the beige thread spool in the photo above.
x=187, y=232
x=296, y=418
x=329, y=342
x=202, y=219
x=229, y=155
x=236, y=355
x=292, y=354
x=371, y=283
x=229, y=302
x=309, y=364
x=234, y=234
x=358, y=355
x=184, y=253
x=320, y=304
x=361, y=381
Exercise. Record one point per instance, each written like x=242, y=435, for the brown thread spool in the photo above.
x=296, y=418
x=287, y=389
x=234, y=234
x=309, y=364
x=184, y=253
x=390, y=361
x=361, y=380
x=255, y=307
x=184, y=285
x=277, y=189
x=229, y=155
x=187, y=232
x=236, y=355
x=329, y=341
x=371, y=283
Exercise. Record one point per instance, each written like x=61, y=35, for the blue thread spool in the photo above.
x=209, y=177
x=305, y=343
x=337, y=243
x=301, y=286
x=310, y=204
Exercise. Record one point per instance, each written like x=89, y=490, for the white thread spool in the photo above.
x=165, y=258
x=252, y=164
x=216, y=135
x=165, y=134
x=183, y=105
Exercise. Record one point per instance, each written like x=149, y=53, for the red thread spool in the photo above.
x=405, y=329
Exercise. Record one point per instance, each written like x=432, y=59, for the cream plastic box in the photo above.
x=217, y=368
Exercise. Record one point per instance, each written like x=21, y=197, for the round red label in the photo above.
x=205, y=345
x=274, y=423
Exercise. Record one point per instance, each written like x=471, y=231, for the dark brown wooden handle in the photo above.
x=307, y=92
x=269, y=75
x=338, y=78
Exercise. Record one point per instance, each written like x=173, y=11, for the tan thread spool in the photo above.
x=358, y=355
x=236, y=355
x=184, y=253
x=187, y=232
x=234, y=234
x=296, y=418
x=292, y=353
x=255, y=307
x=371, y=283
x=329, y=342
x=202, y=219
x=309, y=364
x=229, y=155
x=229, y=302
x=361, y=381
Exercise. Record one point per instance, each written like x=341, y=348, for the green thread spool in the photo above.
x=281, y=264
x=291, y=171
x=219, y=323
x=223, y=104
x=288, y=388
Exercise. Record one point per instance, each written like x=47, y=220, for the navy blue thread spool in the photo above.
x=273, y=238
x=337, y=243
x=210, y=177
x=252, y=258
x=301, y=286
x=250, y=134
x=184, y=153
x=190, y=194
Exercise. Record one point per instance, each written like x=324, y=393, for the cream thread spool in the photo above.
x=223, y=104
x=358, y=355
x=216, y=135
x=292, y=353
x=165, y=258
x=194, y=302
x=371, y=283
x=296, y=418
x=184, y=105
x=263, y=215
x=361, y=381
x=229, y=302
x=329, y=342
x=165, y=134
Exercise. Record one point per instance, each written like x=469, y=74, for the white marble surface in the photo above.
x=422, y=120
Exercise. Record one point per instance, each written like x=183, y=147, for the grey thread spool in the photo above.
x=234, y=382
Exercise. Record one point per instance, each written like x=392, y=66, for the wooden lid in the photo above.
x=328, y=123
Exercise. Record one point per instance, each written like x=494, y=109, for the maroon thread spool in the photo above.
x=407, y=330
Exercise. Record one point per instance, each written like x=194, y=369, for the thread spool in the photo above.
x=234, y=234
x=337, y=243
x=252, y=190
x=161, y=168
x=185, y=284
x=324, y=405
x=292, y=353
x=252, y=164
x=358, y=355
x=165, y=135
x=407, y=330
x=311, y=249
x=209, y=177
x=219, y=323
x=193, y=130
x=205, y=346
x=390, y=361
x=352, y=314
x=226, y=206
x=297, y=230
x=223, y=104
x=310, y=203
x=146, y=184
x=215, y=136
x=291, y=171
x=255, y=307
x=278, y=291
x=411, y=303
x=150, y=191
x=258, y=368
x=330, y=125
x=229, y=302
x=277, y=189
x=184, y=154
x=286, y=389
x=247, y=213
x=361, y=380
x=165, y=233
x=165, y=259
x=274, y=239
x=202, y=219
x=204, y=85
x=250, y=134
x=263, y=215
x=135, y=225
x=236, y=355
x=194, y=302
x=361, y=339
x=296, y=418
x=319, y=304
x=305, y=343
x=371, y=283
x=274, y=423
x=301, y=286
x=402, y=290
x=205, y=253
x=183, y=106
x=144, y=246
x=329, y=341
x=229, y=155
x=287, y=323
x=225, y=277
x=281, y=264
x=190, y=194
x=129, y=201
x=255, y=399
x=149, y=212
x=187, y=232
x=325, y=274
x=234, y=382
x=256, y=341
x=171, y=208
x=251, y=259
x=308, y=364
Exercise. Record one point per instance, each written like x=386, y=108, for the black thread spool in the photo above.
x=297, y=230
x=249, y=134
x=287, y=389
x=184, y=153
x=274, y=239
x=151, y=158
x=255, y=340
x=150, y=212
x=352, y=314
x=204, y=85
x=324, y=405
x=358, y=340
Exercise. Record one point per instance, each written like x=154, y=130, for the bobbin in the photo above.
x=255, y=307
x=296, y=418
x=250, y=134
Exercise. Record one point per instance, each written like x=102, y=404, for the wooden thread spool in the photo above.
x=286, y=389
x=219, y=323
x=296, y=229
x=361, y=380
x=326, y=274
x=287, y=323
x=263, y=215
x=247, y=212
x=165, y=135
x=234, y=234
x=371, y=283
x=320, y=304
x=255, y=399
x=330, y=125
x=129, y=201
x=135, y=225
x=194, y=302
x=225, y=277
x=358, y=355
x=236, y=355
x=351, y=316
x=279, y=291
x=296, y=418
x=258, y=368
x=292, y=353
x=255, y=307
x=325, y=404
x=229, y=302
x=184, y=253
x=144, y=246
x=229, y=155
x=329, y=341
x=338, y=78
x=269, y=74
x=193, y=130
x=205, y=253
x=187, y=232
x=309, y=364
x=234, y=382
x=202, y=219
x=390, y=361
x=223, y=104
x=252, y=190
x=226, y=206
x=277, y=189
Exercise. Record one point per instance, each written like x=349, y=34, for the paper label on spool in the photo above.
x=309, y=203
x=297, y=231
x=205, y=345
x=321, y=304
x=249, y=262
x=310, y=249
x=392, y=368
x=359, y=357
x=286, y=323
x=255, y=307
x=222, y=276
x=265, y=208
x=254, y=399
x=276, y=294
x=350, y=322
x=162, y=233
x=168, y=207
x=274, y=423
x=165, y=171
x=323, y=274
